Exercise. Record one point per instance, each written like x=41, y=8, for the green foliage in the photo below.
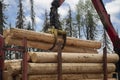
x=3, y=17
x=106, y=42
x=69, y=23
x=20, y=16
x=46, y=24
x=79, y=16
x=86, y=18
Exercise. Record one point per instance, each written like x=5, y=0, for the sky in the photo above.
x=112, y=7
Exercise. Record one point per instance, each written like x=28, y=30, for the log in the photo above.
x=29, y=55
x=14, y=69
x=6, y=33
x=51, y=57
x=6, y=76
x=75, y=79
x=68, y=68
x=46, y=46
x=11, y=62
x=19, y=77
x=99, y=79
x=67, y=76
x=48, y=38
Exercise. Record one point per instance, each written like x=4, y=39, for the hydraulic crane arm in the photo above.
x=105, y=18
x=54, y=16
x=57, y=3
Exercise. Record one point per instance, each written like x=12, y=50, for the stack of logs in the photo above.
x=80, y=60
x=45, y=41
x=75, y=66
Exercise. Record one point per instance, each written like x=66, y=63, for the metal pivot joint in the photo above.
x=56, y=34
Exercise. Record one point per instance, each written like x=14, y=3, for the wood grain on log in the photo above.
x=11, y=62
x=46, y=46
x=68, y=76
x=7, y=76
x=48, y=38
x=51, y=57
x=68, y=68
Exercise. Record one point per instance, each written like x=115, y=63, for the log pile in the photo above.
x=80, y=60
x=75, y=66
x=45, y=41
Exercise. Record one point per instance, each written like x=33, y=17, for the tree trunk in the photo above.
x=48, y=38
x=51, y=57
x=46, y=46
x=7, y=76
x=14, y=69
x=67, y=76
x=1, y=18
x=11, y=62
x=68, y=68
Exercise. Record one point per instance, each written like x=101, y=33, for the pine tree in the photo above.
x=29, y=26
x=32, y=15
x=20, y=18
x=69, y=23
x=79, y=17
x=90, y=26
x=86, y=19
x=2, y=16
x=106, y=42
x=46, y=24
x=90, y=21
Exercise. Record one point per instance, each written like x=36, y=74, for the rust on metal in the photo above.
x=1, y=56
x=60, y=60
x=105, y=63
x=24, y=63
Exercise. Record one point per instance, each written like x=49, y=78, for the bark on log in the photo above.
x=68, y=68
x=51, y=57
x=68, y=76
x=46, y=46
x=48, y=38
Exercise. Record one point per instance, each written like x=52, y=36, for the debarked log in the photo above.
x=11, y=62
x=51, y=57
x=68, y=76
x=68, y=68
x=49, y=38
x=47, y=46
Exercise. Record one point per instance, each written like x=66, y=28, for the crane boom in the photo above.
x=60, y=2
x=105, y=18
